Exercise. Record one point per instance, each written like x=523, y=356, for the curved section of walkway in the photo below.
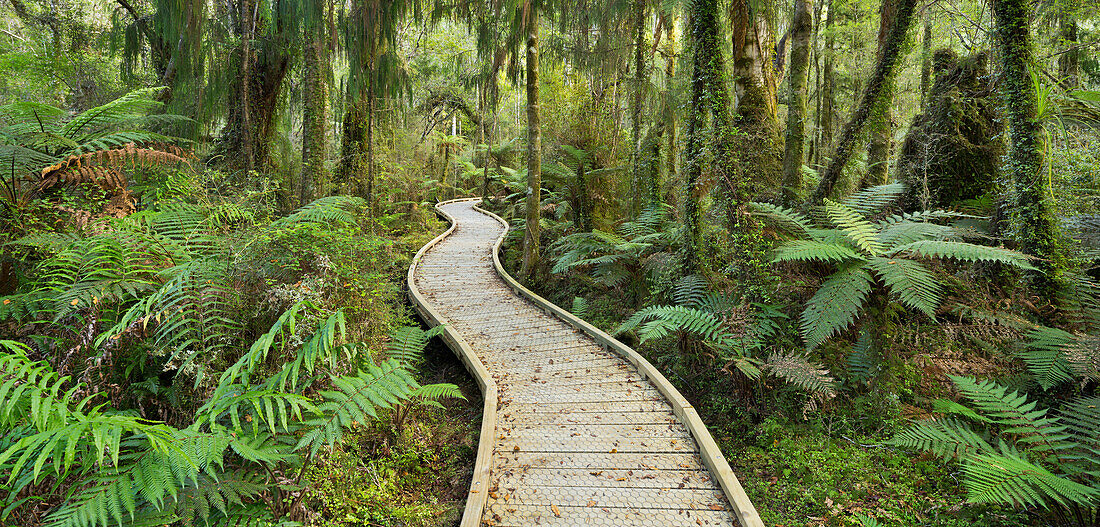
x=581, y=435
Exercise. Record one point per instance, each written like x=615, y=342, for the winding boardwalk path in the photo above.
x=581, y=435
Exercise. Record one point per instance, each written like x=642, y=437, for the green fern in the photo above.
x=1045, y=356
x=356, y=400
x=1014, y=453
x=883, y=259
x=655, y=322
x=796, y=369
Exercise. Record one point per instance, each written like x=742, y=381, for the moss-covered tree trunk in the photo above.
x=828, y=97
x=672, y=122
x=641, y=80
x=314, y=116
x=883, y=70
x=704, y=64
x=534, y=147
x=881, y=121
x=1037, y=231
x=754, y=78
x=801, y=30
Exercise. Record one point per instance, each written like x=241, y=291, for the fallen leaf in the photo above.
x=716, y=507
x=555, y=509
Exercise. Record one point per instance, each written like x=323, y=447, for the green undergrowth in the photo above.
x=415, y=476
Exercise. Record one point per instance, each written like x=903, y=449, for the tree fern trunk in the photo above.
x=534, y=147
x=1038, y=232
x=926, y=56
x=801, y=28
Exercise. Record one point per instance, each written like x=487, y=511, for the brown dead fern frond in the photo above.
x=105, y=167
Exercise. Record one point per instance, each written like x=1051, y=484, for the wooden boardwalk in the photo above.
x=583, y=431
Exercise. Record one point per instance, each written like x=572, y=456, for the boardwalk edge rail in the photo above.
x=479, y=484
x=708, y=449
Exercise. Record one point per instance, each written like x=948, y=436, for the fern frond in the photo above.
x=580, y=307
x=1013, y=411
x=102, y=166
x=835, y=305
x=1045, y=356
x=811, y=250
x=407, y=343
x=661, y=320
x=785, y=219
x=796, y=369
x=332, y=210
x=855, y=227
x=689, y=290
x=874, y=199
x=90, y=123
x=356, y=400
x=910, y=281
x=968, y=252
x=947, y=438
x=1011, y=479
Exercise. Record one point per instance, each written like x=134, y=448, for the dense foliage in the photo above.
x=861, y=235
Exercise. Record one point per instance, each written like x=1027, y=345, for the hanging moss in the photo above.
x=953, y=149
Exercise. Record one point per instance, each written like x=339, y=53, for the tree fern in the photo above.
x=884, y=257
x=407, y=343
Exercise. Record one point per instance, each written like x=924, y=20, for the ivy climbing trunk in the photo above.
x=883, y=69
x=801, y=30
x=881, y=120
x=534, y=146
x=1037, y=232
x=704, y=64
x=314, y=116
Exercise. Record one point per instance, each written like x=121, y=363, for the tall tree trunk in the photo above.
x=883, y=69
x=534, y=147
x=926, y=56
x=1038, y=231
x=801, y=29
x=755, y=82
x=828, y=96
x=250, y=122
x=370, y=143
x=671, y=119
x=1069, y=62
x=701, y=67
x=314, y=117
x=640, y=81
x=881, y=120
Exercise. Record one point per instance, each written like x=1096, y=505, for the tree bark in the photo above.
x=883, y=69
x=755, y=81
x=1038, y=231
x=671, y=118
x=881, y=120
x=314, y=117
x=640, y=80
x=534, y=148
x=801, y=29
x=828, y=96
